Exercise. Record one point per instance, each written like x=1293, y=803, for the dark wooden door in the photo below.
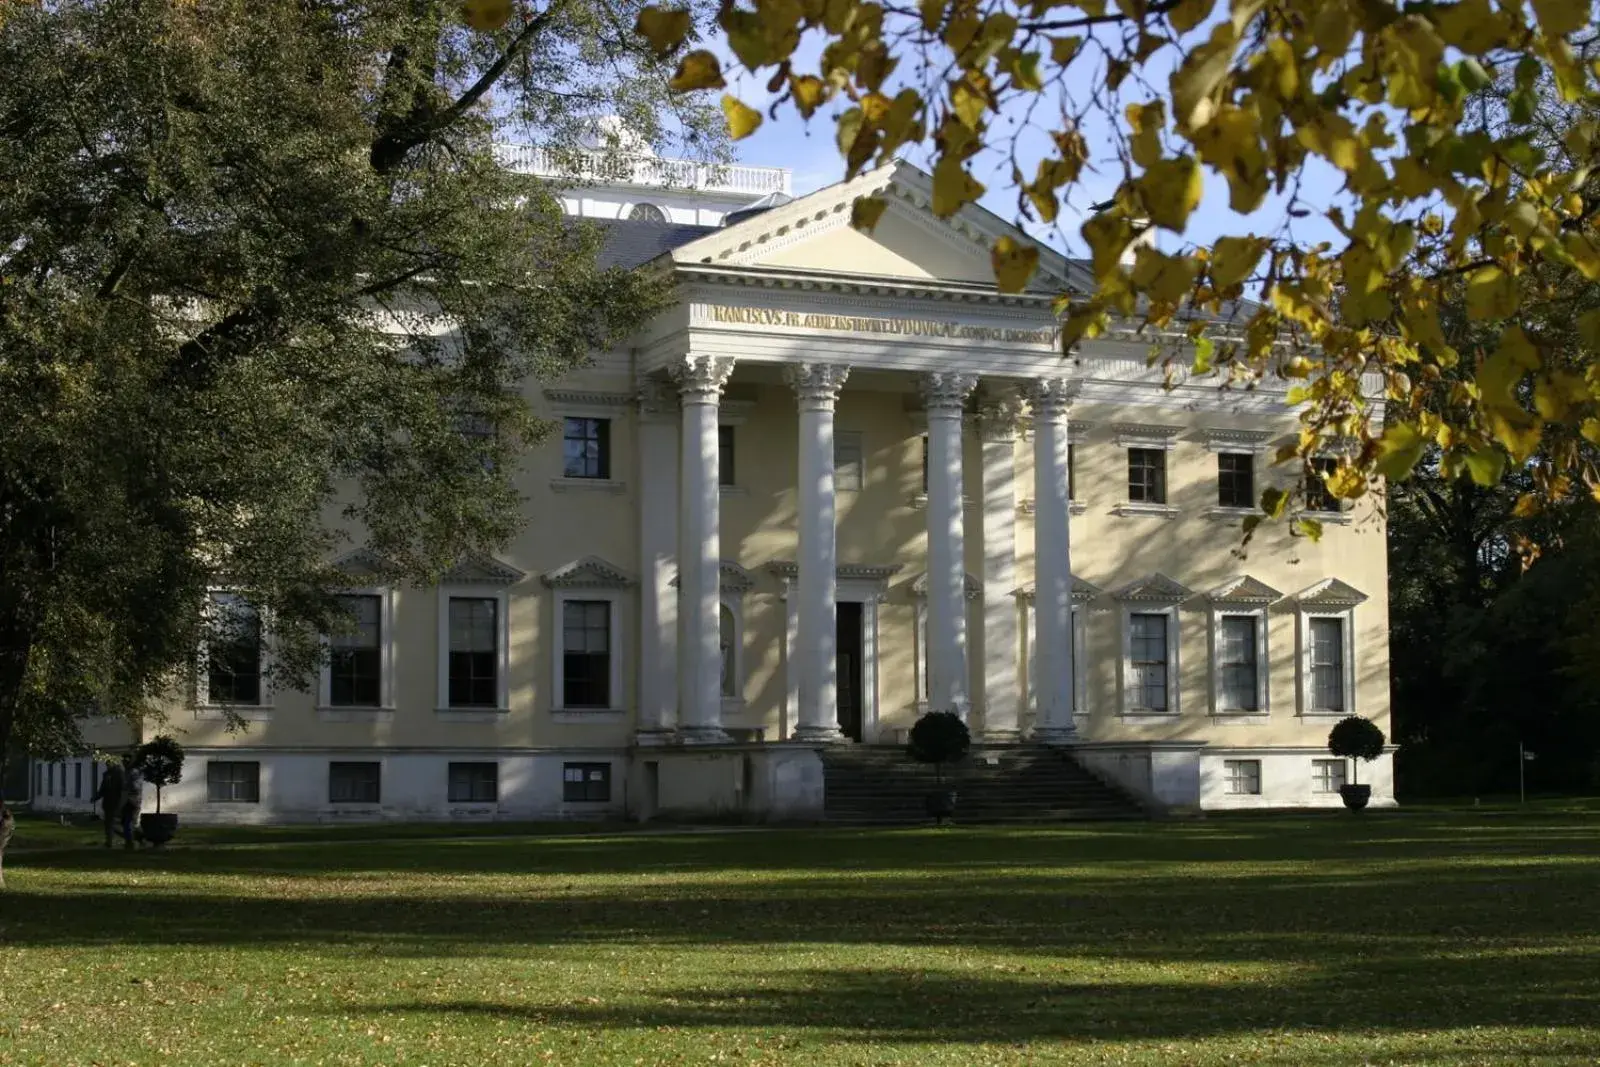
x=848, y=645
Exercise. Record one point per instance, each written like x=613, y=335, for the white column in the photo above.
x=946, y=394
x=816, y=387
x=1052, y=562
x=1002, y=695
x=658, y=551
x=700, y=380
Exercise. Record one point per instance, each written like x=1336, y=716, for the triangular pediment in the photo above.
x=1244, y=589
x=361, y=563
x=1155, y=588
x=1082, y=591
x=973, y=587
x=1330, y=593
x=734, y=578
x=813, y=234
x=590, y=572
x=486, y=570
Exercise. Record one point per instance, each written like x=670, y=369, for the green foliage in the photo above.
x=1354, y=737
x=261, y=262
x=939, y=737
x=159, y=761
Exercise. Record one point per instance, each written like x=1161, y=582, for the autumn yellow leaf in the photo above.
x=697, y=70
x=809, y=92
x=1187, y=14
x=1557, y=18
x=1486, y=465
x=953, y=187
x=1014, y=263
x=1399, y=450
x=1196, y=83
x=1473, y=26
x=486, y=15
x=664, y=28
x=1172, y=189
x=1233, y=259
x=743, y=120
x=1491, y=294
x=866, y=211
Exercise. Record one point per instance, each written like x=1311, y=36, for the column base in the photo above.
x=654, y=738
x=1001, y=736
x=819, y=735
x=703, y=735
x=1054, y=735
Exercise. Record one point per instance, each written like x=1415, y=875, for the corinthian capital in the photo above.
x=999, y=410
x=947, y=391
x=1051, y=397
x=816, y=384
x=701, y=378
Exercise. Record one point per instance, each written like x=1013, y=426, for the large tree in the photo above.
x=259, y=265
x=1434, y=198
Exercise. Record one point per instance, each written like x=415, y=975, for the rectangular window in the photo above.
x=1318, y=496
x=586, y=783
x=1148, y=639
x=233, y=782
x=77, y=780
x=725, y=458
x=847, y=459
x=586, y=448
x=1236, y=480
x=474, y=652
x=1236, y=660
x=924, y=463
x=474, y=783
x=355, y=658
x=1327, y=665
x=586, y=654
x=233, y=651
x=1243, y=776
x=1072, y=472
x=1147, y=475
x=1327, y=775
x=355, y=783
x=38, y=779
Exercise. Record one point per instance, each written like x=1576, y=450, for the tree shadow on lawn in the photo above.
x=902, y=1005
x=1270, y=916
x=1280, y=840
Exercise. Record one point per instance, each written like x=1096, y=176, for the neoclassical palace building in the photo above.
x=841, y=482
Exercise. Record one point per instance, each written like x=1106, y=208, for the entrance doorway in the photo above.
x=849, y=646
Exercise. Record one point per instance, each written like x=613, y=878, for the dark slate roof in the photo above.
x=630, y=243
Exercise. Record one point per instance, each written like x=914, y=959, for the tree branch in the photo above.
x=423, y=122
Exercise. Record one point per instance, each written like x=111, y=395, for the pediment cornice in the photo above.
x=1082, y=591
x=970, y=586
x=590, y=572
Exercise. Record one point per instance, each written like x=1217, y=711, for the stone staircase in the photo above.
x=1010, y=783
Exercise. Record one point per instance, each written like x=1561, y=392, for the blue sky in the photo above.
x=809, y=151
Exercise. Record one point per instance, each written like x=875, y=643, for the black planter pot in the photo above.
x=158, y=829
x=940, y=804
x=1355, y=796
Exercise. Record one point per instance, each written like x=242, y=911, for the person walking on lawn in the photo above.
x=112, y=793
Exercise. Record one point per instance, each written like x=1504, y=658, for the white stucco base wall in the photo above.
x=749, y=783
x=414, y=787
x=1181, y=776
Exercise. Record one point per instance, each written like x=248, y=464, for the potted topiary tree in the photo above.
x=159, y=761
x=1355, y=739
x=940, y=737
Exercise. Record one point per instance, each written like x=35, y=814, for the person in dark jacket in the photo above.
x=112, y=793
x=6, y=824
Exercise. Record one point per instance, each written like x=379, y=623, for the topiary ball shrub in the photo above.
x=939, y=737
x=159, y=761
x=1356, y=738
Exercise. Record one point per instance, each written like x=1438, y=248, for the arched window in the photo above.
x=728, y=643
x=647, y=213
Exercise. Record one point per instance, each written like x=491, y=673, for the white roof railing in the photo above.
x=577, y=165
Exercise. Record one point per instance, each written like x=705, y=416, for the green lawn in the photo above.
x=1440, y=938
